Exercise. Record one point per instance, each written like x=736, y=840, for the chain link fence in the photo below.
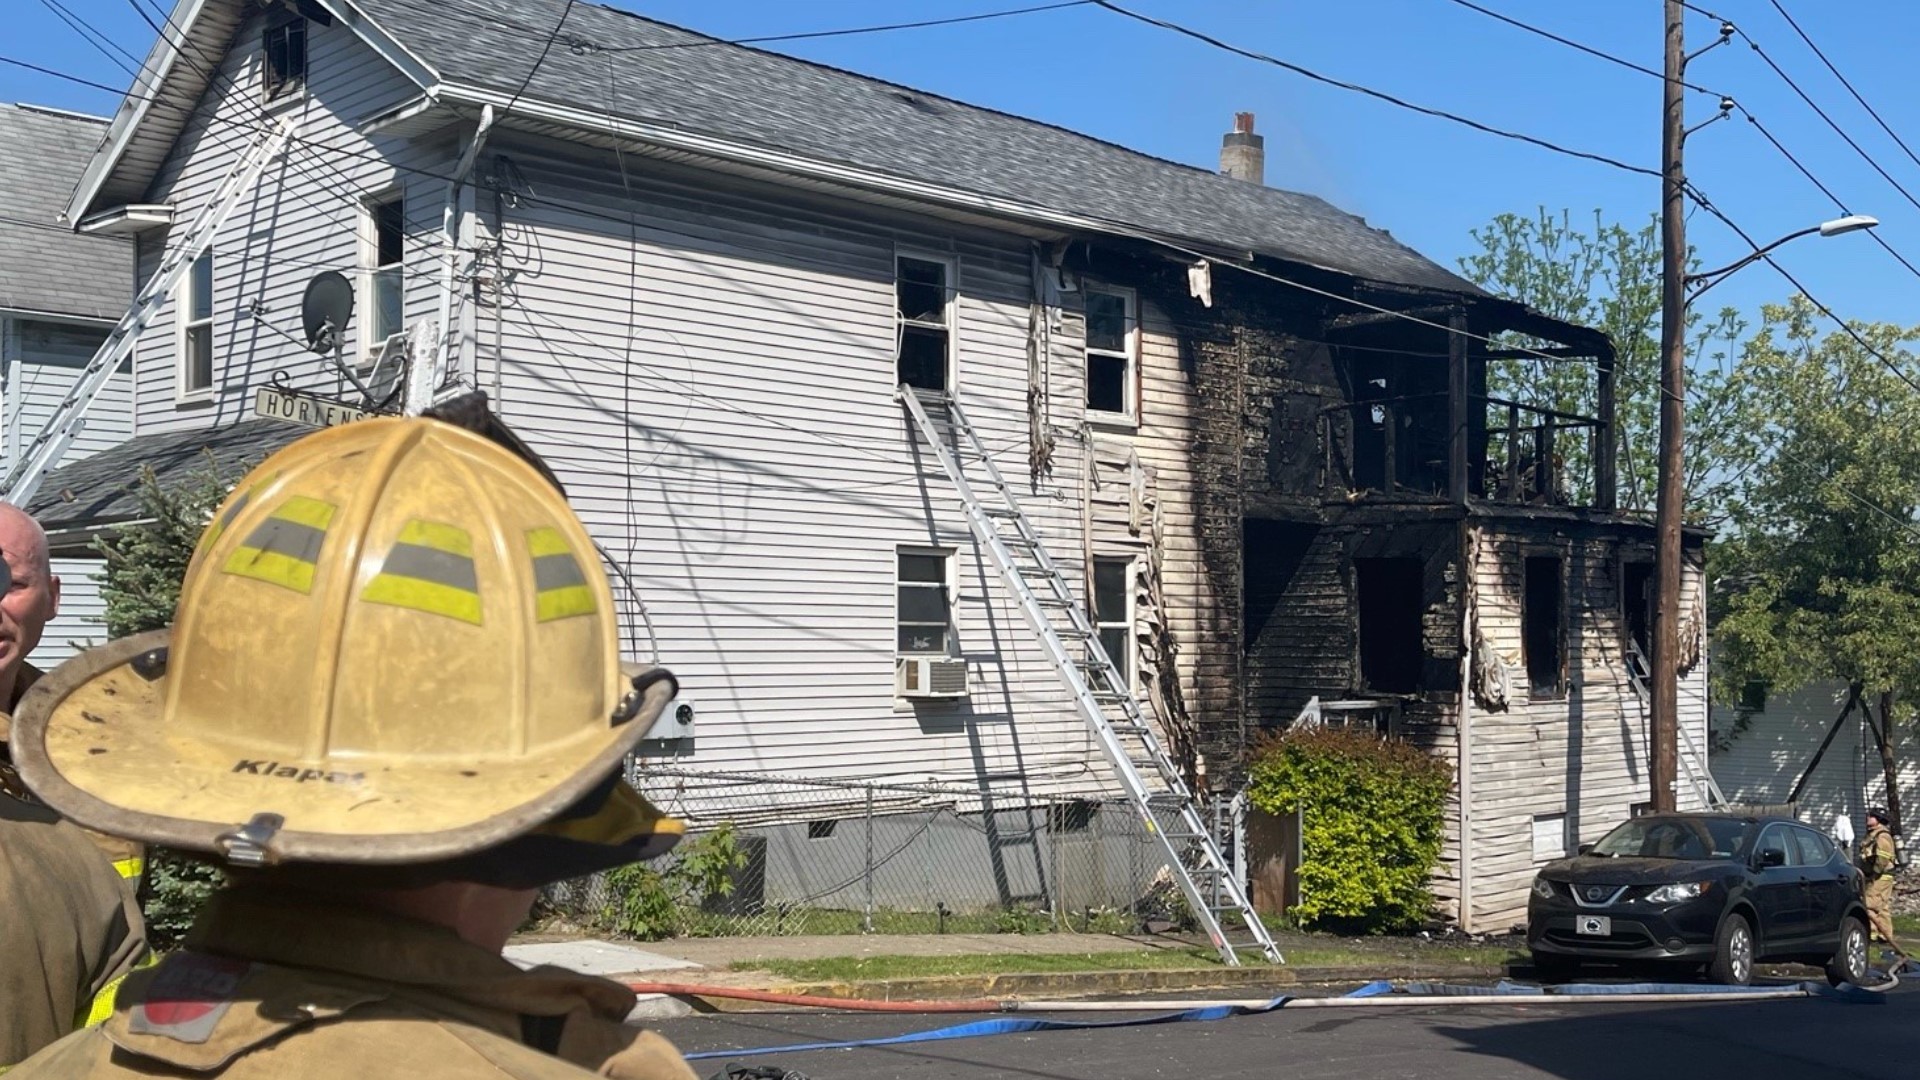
x=784, y=856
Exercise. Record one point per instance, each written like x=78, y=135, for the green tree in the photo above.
x=1609, y=279
x=1819, y=577
x=144, y=564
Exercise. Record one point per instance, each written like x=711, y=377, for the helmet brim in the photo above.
x=90, y=739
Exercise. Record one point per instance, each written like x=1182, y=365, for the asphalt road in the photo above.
x=1752, y=1041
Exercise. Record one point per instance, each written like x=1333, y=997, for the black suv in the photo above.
x=1713, y=889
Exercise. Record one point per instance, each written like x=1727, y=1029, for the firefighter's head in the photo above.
x=395, y=650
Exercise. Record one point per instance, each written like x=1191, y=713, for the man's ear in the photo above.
x=53, y=597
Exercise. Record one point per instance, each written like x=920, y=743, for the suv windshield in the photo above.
x=1676, y=838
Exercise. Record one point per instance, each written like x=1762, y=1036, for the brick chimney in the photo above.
x=1243, y=155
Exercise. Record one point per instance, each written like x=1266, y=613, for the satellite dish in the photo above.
x=325, y=309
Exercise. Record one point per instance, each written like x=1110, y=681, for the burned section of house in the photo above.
x=1381, y=541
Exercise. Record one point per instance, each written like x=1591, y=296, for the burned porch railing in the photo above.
x=1527, y=454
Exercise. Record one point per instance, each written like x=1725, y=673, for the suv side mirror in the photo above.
x=1773, y=857
x=1585, y=849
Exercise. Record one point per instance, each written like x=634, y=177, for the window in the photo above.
x=1549, y=837
x=1113, y=612
x=1066, y=817
x=195, y=305
x=1388, y=596
x=1541, y=636
x=1812, y=848
x=1753, y=695
x=925, y=616
x=1775, y=840
x=923, y=301
x=1110, y=367
x=284, y=56
x=821, y=830
x=383, y=253
x=1636, y=604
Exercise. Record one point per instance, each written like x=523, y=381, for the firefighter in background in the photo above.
x=70, y=929
x=392, y=706
x=1878, y=856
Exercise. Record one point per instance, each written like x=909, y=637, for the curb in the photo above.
x=1078, y=984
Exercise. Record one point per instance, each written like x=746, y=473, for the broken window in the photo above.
x=1636, y=605
x=384, y=254
x=1388, y=594
x=925, y=616
x=284, y=51
x=1541, y=636
x=1113, y=612
x=924, y=309
x=1110, y=367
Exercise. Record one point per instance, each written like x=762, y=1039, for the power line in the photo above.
x=1845, y=326
x=552, y=36
x=981, y=17
x=1581, y=47
x=100, y=42
x=1843, y=82
x=1727, y=102
x=1380, y=95
x=1812, y=104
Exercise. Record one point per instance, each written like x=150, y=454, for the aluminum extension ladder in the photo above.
x=1151, y=781
x=70, y=416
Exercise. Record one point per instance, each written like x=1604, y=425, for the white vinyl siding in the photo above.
x=300, y=219
x=82, y=619
x=41, y=361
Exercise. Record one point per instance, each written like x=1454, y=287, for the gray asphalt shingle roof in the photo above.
x=772, y=101
x=101, y=489
x=44, y=266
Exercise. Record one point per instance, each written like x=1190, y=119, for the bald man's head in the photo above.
x=31, y=600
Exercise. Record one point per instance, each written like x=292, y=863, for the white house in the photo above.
x=694, y=276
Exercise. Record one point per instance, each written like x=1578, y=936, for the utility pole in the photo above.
x=1673, y=388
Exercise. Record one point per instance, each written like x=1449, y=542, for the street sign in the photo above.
x=310, y=410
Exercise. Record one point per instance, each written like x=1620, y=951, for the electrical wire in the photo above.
x=1844, y=82
x=848, y=31
x=1810, y=103
x=1379, y=95
x=1767, y=257
x=1726, y=99
x=102, y=44
x=552, y=36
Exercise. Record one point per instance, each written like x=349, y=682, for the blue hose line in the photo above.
x=1018, y=1025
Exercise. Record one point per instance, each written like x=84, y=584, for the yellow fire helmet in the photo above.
x=394, y=645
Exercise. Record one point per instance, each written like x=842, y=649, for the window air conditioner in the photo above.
x=930, y=677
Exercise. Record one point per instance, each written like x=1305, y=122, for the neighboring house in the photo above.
x=59, y=295
x=1766, y=745
x=694, y=275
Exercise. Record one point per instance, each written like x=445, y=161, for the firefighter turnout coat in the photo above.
x=279, y=986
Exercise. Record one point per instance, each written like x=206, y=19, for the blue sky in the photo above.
x=1427, y=181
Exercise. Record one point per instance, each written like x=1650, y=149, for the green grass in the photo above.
x=1906, y=925
x=850, y=969
x=846, y=969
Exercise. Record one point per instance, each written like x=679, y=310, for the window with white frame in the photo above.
x=383, y=256
x=925, y=603
x=923, y=303
x=283, y=53
x=1549, y=837
x=1112, y=614
x=194, y=302
x=1112, y=375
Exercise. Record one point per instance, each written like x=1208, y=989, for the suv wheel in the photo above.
x=1849, y=962
x=1732, y=952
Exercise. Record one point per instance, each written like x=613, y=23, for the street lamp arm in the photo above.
x=1714, y=277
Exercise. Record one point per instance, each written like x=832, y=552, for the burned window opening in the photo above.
x=284, y=50
x=1636, y=605
x=1541, y=635
x=923, y=310
x=1388, y=594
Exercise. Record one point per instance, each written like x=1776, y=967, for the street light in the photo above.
x=1665, y=670
x=1836, y=227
